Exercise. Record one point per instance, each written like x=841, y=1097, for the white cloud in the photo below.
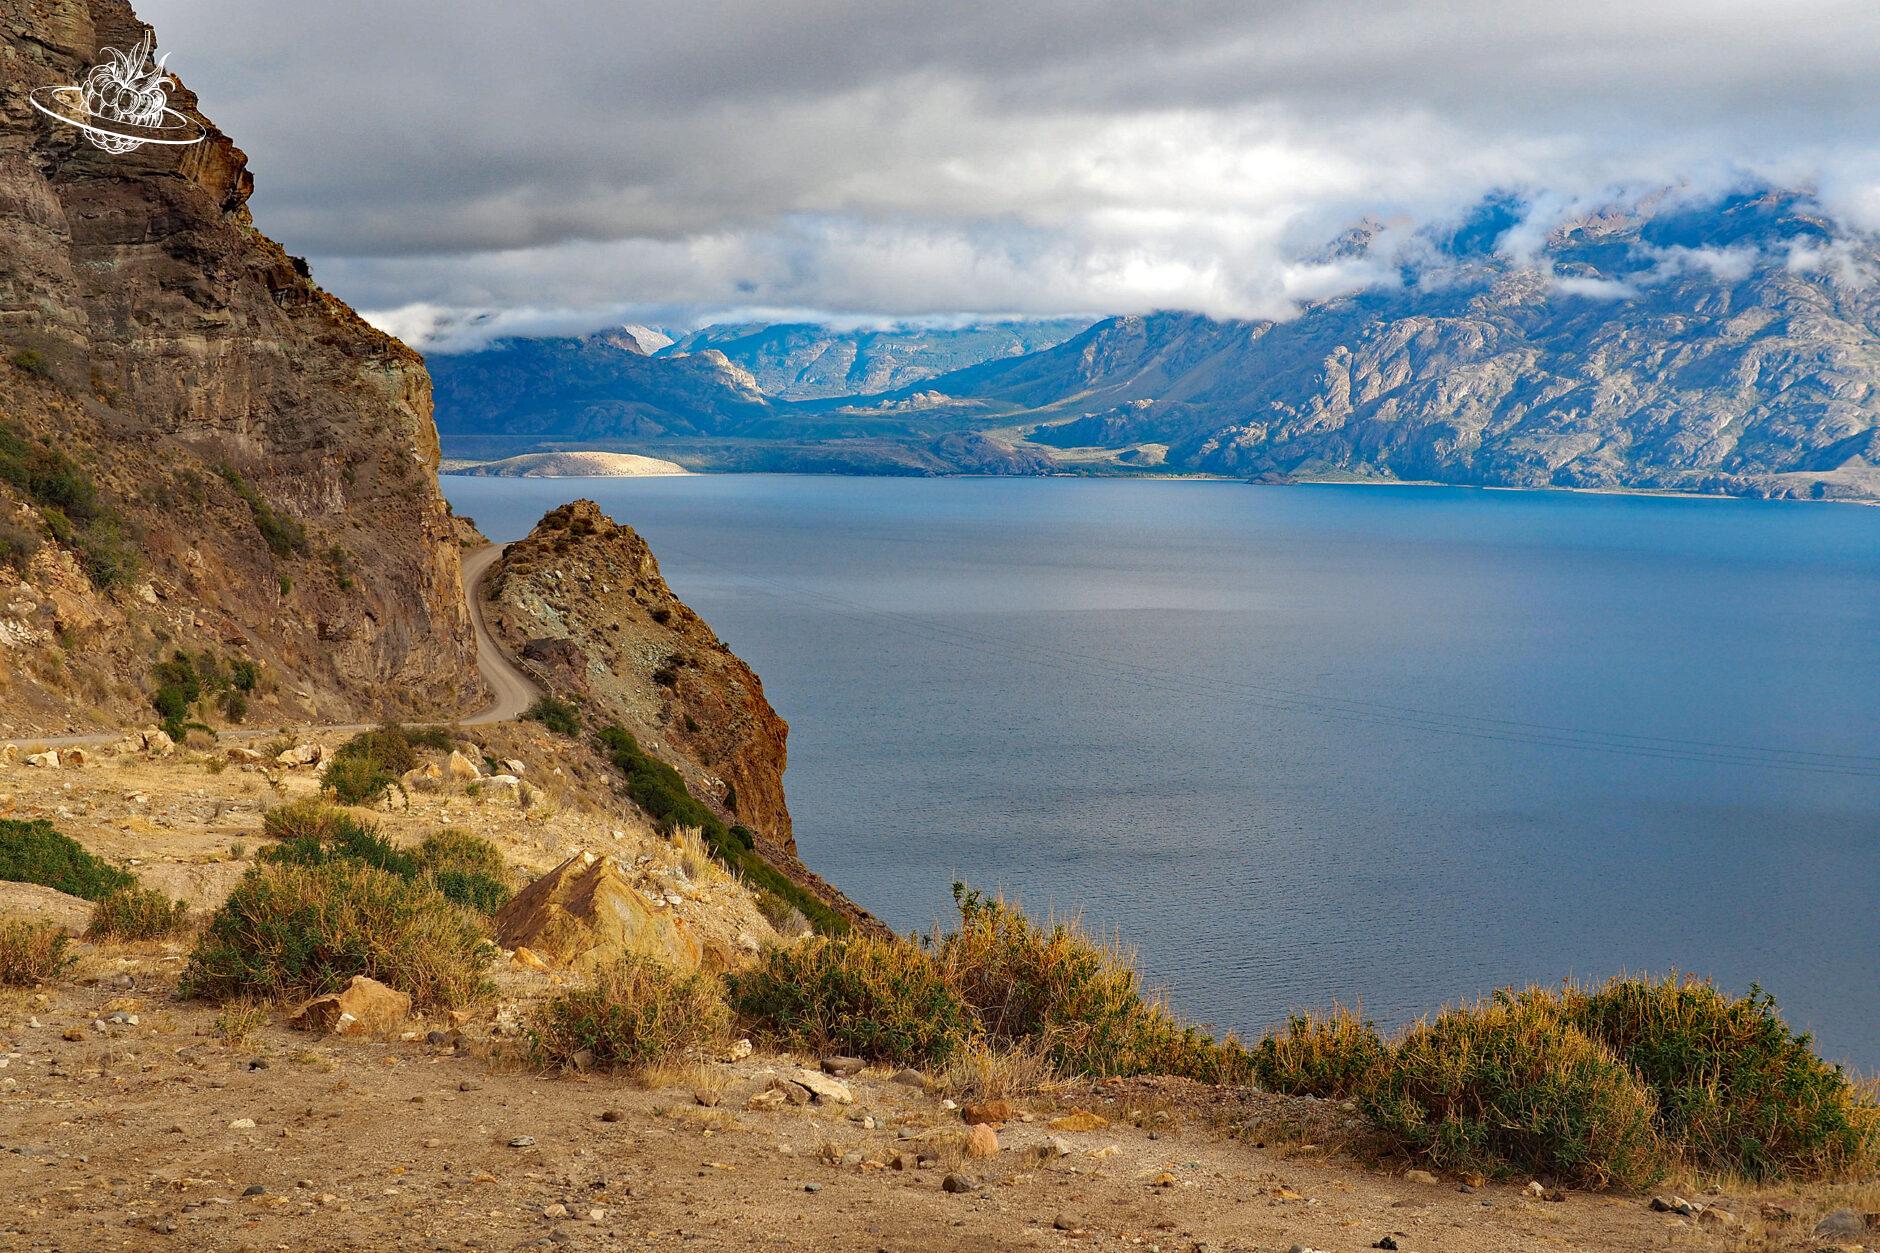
x=1592, y=288
x=546, y=164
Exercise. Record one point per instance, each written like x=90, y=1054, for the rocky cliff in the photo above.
x=581, y=603
x=199, y=448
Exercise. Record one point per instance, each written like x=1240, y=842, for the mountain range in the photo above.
x=1723, y=345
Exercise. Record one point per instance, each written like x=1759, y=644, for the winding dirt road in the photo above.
x=514, y=691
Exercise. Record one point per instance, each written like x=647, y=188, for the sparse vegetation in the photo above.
x=632, y=1014
x=368, y=765
x=33, y=852
x=136, y=913
x=74, y=513
x=1510, y=1085
x=465, y=869
x=357, y=780
x=31, y=952
x=284, y=536
x=337, y=836
x=303, y=930
x=17, y=545
x=1079, y=998
x=31, y=361
x=881, y=999
x=559, y=716
x=186, y=678
x=659, y=790
x=238, y=1019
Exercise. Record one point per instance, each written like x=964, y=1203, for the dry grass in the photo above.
x=1335, y=1055
x=694, y=856
x=31, y=952
x=237, y=1020
x=634, y=1014
x=998, y=1073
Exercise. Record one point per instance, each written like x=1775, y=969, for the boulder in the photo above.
x=309, y=754
x=984, y=1142
x=9, y=754
x=238, y=756
x=364, y=1005
x=48, y=760
x=156, y=742
x=461, y=768
x=74, y=757
x=825, y=1088
x=514, y=767
x=586, y=912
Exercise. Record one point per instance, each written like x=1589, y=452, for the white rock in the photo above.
x=823, y=1087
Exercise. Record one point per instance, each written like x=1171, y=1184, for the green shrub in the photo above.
x=304, y=930
x=357, y=780
x=69, y=504
x=882, y=999
x=466, y=869
x=659, y=790
x=632, y=1014
x=338, y=837
x=306, y=818
x=1080, y=999
x=136, y=913
x=31, y=361
x=1738, y=1091
x=1333, y=1056
x=31, y=952
x=1510, y=1086
x=558, y=716
x=284, y=536
x=187, y=677
x=32, y=852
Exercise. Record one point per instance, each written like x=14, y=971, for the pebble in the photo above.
x=557, y=1210
x=1420, y=1176
x=521, y=1142
x=984, y=1142
x=843, y=1067
x=812, y=1187
x=1388, y=1242
x=612, y=1115
x=255, y=1189
x=242, y=1124
x=957, y=1183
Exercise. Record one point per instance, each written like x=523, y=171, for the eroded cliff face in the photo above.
x=262, y=460
x=581, y=603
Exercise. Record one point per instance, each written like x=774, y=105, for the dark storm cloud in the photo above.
x=892, y=158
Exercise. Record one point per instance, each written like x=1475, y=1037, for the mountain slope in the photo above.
x=199, y=448
x=810, y=361
x=1734, y=348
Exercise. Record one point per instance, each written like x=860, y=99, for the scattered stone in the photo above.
x=1776, y=1212
x=1420, y=1176
x=365, y=1005
x=912, y=1078
x=586, y=912
x=242, y=1124
x=254, y=1189
x=1064, y=1222
x=461, y=768
x=994, y=1112
x=983, y=1142
x=1675, y=1205
x=957, y=1182
x=1079, y=1120
x=1163, y=1180
x=1842, y=1222
x=469, y=1085
x=769, y=1098
x=239, y=756
x=48, y=760
x=612, y=1115
x=706, y=1097
x=309, y=754
x=1388, y=1242
x=1716, y=1218
x=1058, y=1146
x=557, y=1210
x=843, y=1067
x=738, y=1051
x=521, y=1142
x=823, y=1087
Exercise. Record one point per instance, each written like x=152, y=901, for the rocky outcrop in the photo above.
x=257, y=462
x=581, y=604
x=586, y=912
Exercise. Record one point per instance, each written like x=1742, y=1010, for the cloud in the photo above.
x=546, y=164
x=1592, y=288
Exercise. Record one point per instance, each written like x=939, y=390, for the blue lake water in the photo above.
x=1386, y=745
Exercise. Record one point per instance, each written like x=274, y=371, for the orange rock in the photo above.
x=984, y=1142
x=994, y=1112
x=585, y=912
x=1079, y=1120
x=364, y=1005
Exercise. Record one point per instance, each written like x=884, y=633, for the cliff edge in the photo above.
x=199, y=448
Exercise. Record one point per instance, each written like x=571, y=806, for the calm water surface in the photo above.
x=1384, y=745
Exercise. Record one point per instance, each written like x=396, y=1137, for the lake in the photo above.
x=1391, y=746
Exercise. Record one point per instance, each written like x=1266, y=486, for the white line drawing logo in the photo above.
x=122, y=104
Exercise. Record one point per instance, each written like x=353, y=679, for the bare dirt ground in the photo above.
x=137, y=1134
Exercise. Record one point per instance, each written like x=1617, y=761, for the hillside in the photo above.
x=199, y=448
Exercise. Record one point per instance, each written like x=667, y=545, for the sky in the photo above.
x=464, y=169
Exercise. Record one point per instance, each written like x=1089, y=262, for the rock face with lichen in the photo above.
x=199, y=448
